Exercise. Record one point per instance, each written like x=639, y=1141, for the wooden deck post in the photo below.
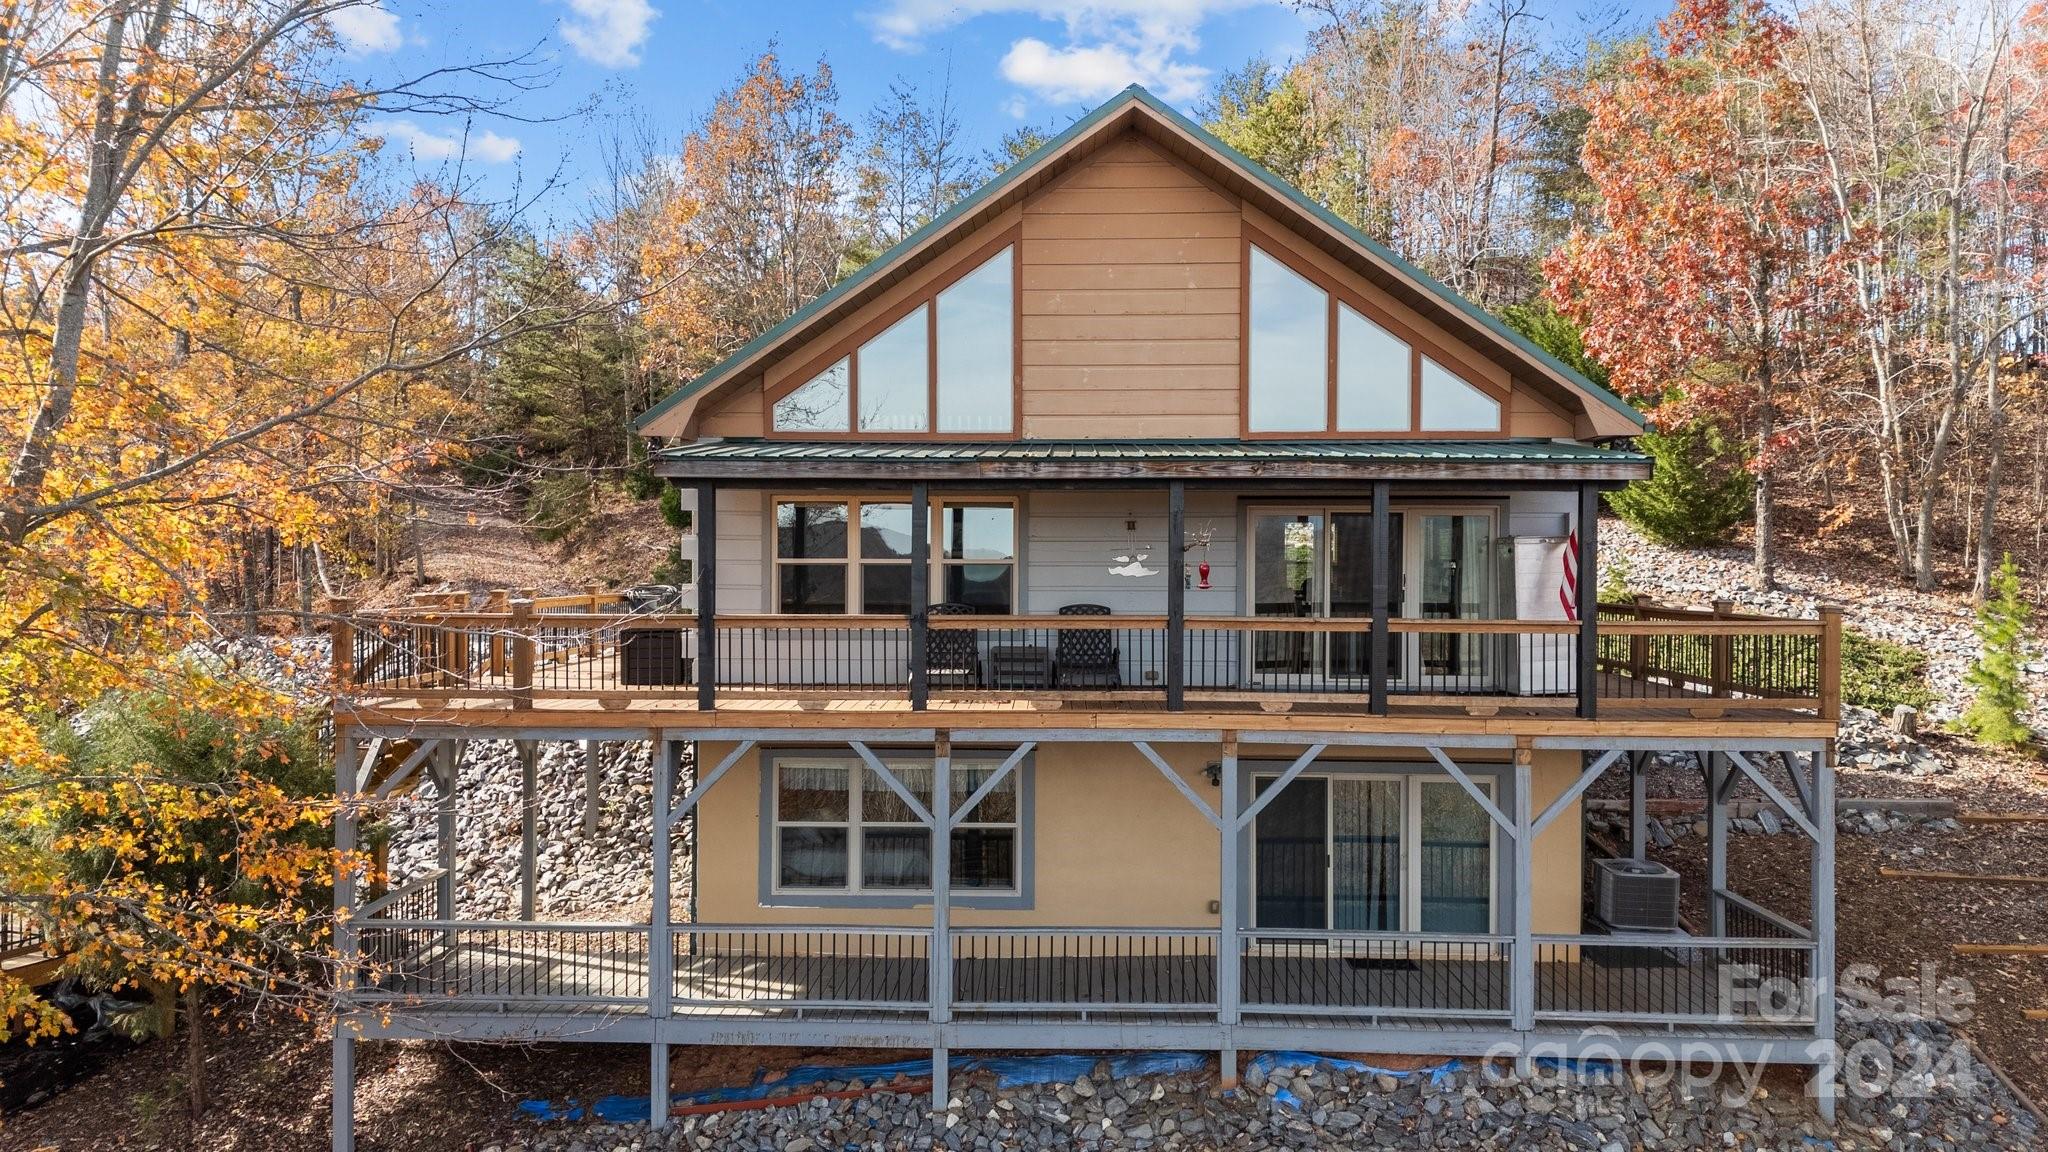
x=344, y=1119
x=1522, y=996
x=1229, y=954
x=593, y=596
x=1176, y=596
x=920, y=595
x=529, y=824
x=705, y=569
x=592, y=783
x=661, y=946
x=940, y=983
x=1718, y=775
x=1381, y=580
x=344, y=1088
x=1639, y=646
x=1830, y=662
x=447, y=782
x=522, y=651
x=1588, y=601
x=341, y=633
x=1638, y=804
x=1721, y=660
x=1822, y=902
x=499, y=604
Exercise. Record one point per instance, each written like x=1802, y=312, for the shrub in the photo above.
x=672, y=508
x=1994, y=712
x=1698, y=490
x=194, y=852
x=1880, y=675
x=640, y=481
x=674, y=569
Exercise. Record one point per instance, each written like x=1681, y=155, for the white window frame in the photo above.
x=854, y=823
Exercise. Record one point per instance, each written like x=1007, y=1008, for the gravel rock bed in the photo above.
x=1936, y=623
x=1320, y=1107
x=578, y=876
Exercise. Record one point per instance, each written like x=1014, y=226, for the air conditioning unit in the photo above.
x=1637, y=896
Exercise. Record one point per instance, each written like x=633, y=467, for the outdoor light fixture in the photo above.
x=1214, y=771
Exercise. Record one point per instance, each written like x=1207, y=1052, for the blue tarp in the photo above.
x=1267, y=1063
x=1010, y=1072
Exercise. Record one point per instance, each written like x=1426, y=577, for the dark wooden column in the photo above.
x=705, y=521
x=1176, y=595
x=920, y=594
x=1588, y=604
x=1381, y=580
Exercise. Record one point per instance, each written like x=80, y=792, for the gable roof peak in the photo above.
x=1280, y=198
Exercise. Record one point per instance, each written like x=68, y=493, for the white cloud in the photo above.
x=486, y=146
x=1108, y=44
x=367, y=29
x=1094, y=72
x=609, y=32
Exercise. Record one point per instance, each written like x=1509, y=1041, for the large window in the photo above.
x=840, y=829
x=978, y=557
x=948, y=365
x=1373, y=380
x=822, y=568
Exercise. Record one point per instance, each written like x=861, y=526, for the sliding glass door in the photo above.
x=1317, y=564
x=1454, y=581
x=1372, y=853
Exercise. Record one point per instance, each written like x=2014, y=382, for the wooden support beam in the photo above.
x=529, y=825
x=2037, y=1013
x=1381, y=582
x=1176, y=596
x=704, y=520
x=2002, y=817
x=2002, y=949
x=920, y=595
x=1959, y=877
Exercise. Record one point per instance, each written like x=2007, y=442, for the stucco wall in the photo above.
x=1113, y=845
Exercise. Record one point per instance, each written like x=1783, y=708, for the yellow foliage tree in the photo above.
x=217, y=327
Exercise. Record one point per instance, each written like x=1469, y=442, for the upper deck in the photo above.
x=591, y=661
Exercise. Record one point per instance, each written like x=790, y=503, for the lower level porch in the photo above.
x=1243, y=889
x=1673, y=985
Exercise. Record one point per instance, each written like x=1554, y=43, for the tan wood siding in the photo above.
x=740, y=413
x=1131, y=280
x=1130, y=272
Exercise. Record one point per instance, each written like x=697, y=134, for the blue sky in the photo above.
x=1012, y=62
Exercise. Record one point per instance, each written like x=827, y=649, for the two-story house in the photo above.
x=1135, y=611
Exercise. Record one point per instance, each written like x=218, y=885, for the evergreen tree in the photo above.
x=1699, y=487
x=1262, y=111
x=1994, y=713
x=559, y=394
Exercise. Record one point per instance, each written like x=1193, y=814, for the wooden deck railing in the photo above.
x=592, y=646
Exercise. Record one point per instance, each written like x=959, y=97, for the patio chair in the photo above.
x=952, y=656
x=1086, y=657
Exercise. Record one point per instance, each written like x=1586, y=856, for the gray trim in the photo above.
x=1027, y=836
x=1250, y=769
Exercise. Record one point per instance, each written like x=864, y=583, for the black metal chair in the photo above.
x=952, y=656
x=1087, y=657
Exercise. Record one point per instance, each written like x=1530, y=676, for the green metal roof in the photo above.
x=1136, y=94
x=1233, y=451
